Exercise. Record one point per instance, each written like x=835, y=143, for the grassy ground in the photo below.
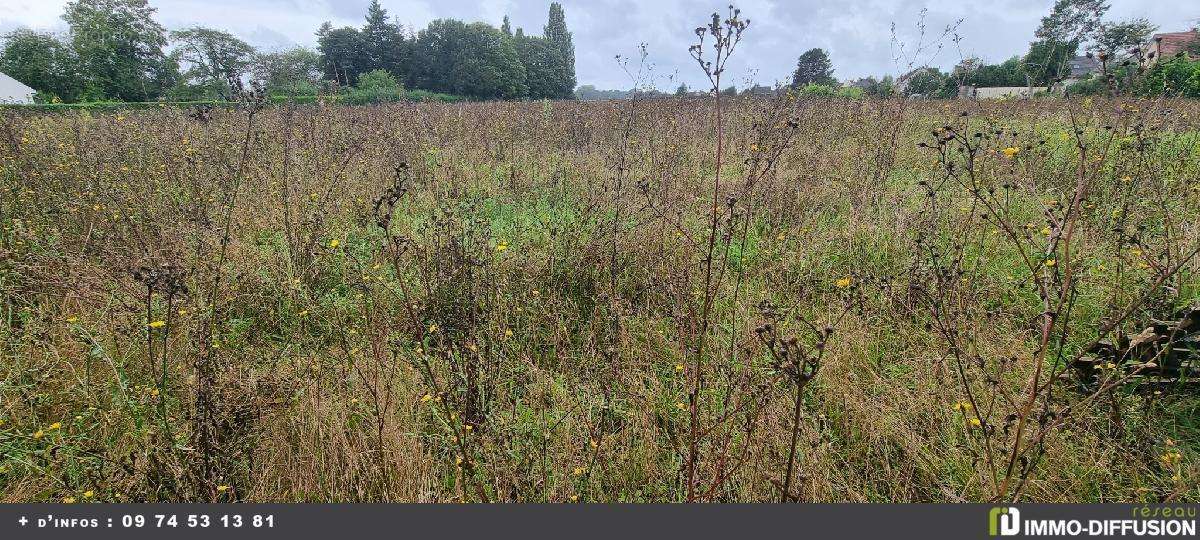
x=568, y=302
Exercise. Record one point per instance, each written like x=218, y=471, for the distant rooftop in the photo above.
x=1172, y=43
x=14, y=91
x=1082, y=66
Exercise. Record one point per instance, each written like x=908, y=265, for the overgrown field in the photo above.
x=569, y=302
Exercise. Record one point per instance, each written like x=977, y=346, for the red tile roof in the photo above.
x=1173, y=42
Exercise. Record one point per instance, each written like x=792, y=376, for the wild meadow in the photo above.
x=751, y=299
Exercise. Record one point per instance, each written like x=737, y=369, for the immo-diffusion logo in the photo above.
x=1146, y=521
x=1004, y=521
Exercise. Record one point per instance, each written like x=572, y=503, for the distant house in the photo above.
x=1168, y=45
x=1080, y=68
x=993, y=92
x=865, y=83
x=12, y=91
x=759, y=90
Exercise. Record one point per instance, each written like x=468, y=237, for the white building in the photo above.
x=12, y=91
x=995, y=92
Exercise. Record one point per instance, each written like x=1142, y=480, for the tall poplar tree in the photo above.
x=560, y=39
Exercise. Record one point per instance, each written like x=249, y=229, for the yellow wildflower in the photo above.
x=222, y=488
x=39, y=434
x=975, y=422
x=89, y=494
x=157, y=324
x=68, y=500
x=72, y=319
x=1051, y=262
x=426, y=398
x=843, y=283
x=1011, y=151
x=334, y=243
x=502, y=245
x=55, y=426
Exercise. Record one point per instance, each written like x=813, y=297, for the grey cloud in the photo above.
x=267, y=38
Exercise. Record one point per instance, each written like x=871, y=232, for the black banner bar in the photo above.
x=436, y=521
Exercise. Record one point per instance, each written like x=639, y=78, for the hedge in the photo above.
x=112, y=106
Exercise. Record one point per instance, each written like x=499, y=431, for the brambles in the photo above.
x=505, y=301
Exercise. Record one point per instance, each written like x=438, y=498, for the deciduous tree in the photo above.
x=42, y=62
x=475, y=60
x=293, y=72
x=342, y=52
x=211, y=58
x=120, y=48
x=1123, y=38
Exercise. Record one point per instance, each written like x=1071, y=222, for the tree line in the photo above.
x=468, y=59
x=1072, y=29
x=114, y=50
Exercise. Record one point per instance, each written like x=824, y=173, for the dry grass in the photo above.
x=525, y=328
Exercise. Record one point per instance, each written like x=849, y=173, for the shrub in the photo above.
x=851, y=92
x=821, y=90
x=110, y=106
x=1089, y=86
x=378, y=86
x=425, y=95
x=817, y=90
x=1172, y=78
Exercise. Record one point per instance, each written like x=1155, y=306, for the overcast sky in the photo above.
x=857, y=33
